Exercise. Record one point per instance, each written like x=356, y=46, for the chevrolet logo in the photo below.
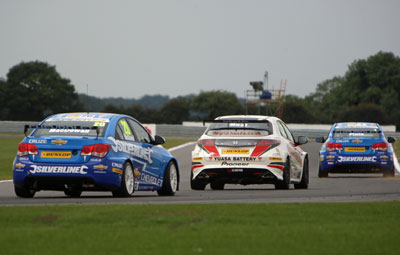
x=357, y=141
x=100, y=167
x=19, y=165
x=59, y=142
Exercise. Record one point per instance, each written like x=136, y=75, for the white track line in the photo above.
x=181, y=146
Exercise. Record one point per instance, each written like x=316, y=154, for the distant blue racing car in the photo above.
x=356, y=147
x=77, y=152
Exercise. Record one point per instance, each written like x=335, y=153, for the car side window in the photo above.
x=282, y=130
x=119, y=134
x=127, y=133
x=289, y=134
x=141, y=133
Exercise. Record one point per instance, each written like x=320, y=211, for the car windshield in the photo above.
x=54, y=127
x=356, y=133
x=239, y=129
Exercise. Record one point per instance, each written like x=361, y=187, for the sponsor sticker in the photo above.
x=67, y=130
x=116, y=170
x=58, y=169
x=59, y=142
x=151, y=179
x=356, y=159
x=132, y=149
x=234, y=164
x=275, y=158
x=354, y=149
x=235, y=151
x=19, y=165
x=39, y=141
x=100, y=167
x=55, y=154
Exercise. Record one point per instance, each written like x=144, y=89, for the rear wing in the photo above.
x=235, y=121
x=27, y=127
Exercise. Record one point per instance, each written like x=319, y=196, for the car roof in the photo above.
x=243, y=117
x=84, y=116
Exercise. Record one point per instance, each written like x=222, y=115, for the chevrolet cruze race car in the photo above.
x=247, y=149
x=356, y=147
x=77, y=152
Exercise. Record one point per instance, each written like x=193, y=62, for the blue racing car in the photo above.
x=75, y=152
x=356, y=147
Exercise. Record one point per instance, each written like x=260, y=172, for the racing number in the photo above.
x=127, y=130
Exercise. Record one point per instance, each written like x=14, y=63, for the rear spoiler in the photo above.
x=235, y=121
x=27, y=127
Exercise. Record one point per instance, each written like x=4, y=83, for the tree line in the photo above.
x=369, y=91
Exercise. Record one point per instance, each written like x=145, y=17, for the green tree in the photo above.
x=365, y=113
x=217, y=103
x=176, y=110
x=35, y=90
x=295, y=111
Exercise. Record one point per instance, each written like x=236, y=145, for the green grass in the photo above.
x=8, y=150
x=337, y=228
x=9, y=144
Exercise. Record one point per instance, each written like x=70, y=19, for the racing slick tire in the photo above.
x=388, y=173
x=170, y=183
x=322, y=174
x=303, y=184
x=284, y=184
x=195, y=184
x=24, y=191
x=217, y=185
x=127, y=183
x=73, y=192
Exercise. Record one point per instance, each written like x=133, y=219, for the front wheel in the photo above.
x=127, y=182
x=304, y=178
x=170, y=183
x=24, y=191
x=284, y=184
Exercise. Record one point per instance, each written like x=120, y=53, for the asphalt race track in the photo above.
x=336, y=188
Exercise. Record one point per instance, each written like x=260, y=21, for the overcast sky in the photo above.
x=179, y=47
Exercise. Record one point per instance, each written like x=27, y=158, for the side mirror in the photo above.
x=302, y=140
x=320, y=139
x=158, y=140
x=391, y=139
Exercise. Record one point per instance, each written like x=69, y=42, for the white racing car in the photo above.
x=248, y=149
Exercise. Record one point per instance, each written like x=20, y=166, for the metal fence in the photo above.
x=176, y=130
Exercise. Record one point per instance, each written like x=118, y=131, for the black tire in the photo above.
x=305, y=177
x=285, y=183
x=388, y=173
x=322, y=174
x=217, y=185
x=195, y=184
x=170, y=183
x=25, y=192
x=127, y=183
x=73, y=192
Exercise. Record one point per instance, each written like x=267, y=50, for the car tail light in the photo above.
x=380, y=146
x=263, y=146
x=209, y=146
x=334, y=146
x=27, y=148
x=99, y=150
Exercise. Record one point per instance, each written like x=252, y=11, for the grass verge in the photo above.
x=338, y=228
x=9, y=144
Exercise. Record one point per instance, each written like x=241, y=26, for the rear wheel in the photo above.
x=195, y=184
x=304, y=178
x=217, y=185
x=170, y=183
x=388, y=172
x=73, y=193
x=127, y=183
x=24, y=191
x=284, y=184
x=322, y=174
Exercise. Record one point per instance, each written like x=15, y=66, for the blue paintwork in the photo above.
x=149, y=161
